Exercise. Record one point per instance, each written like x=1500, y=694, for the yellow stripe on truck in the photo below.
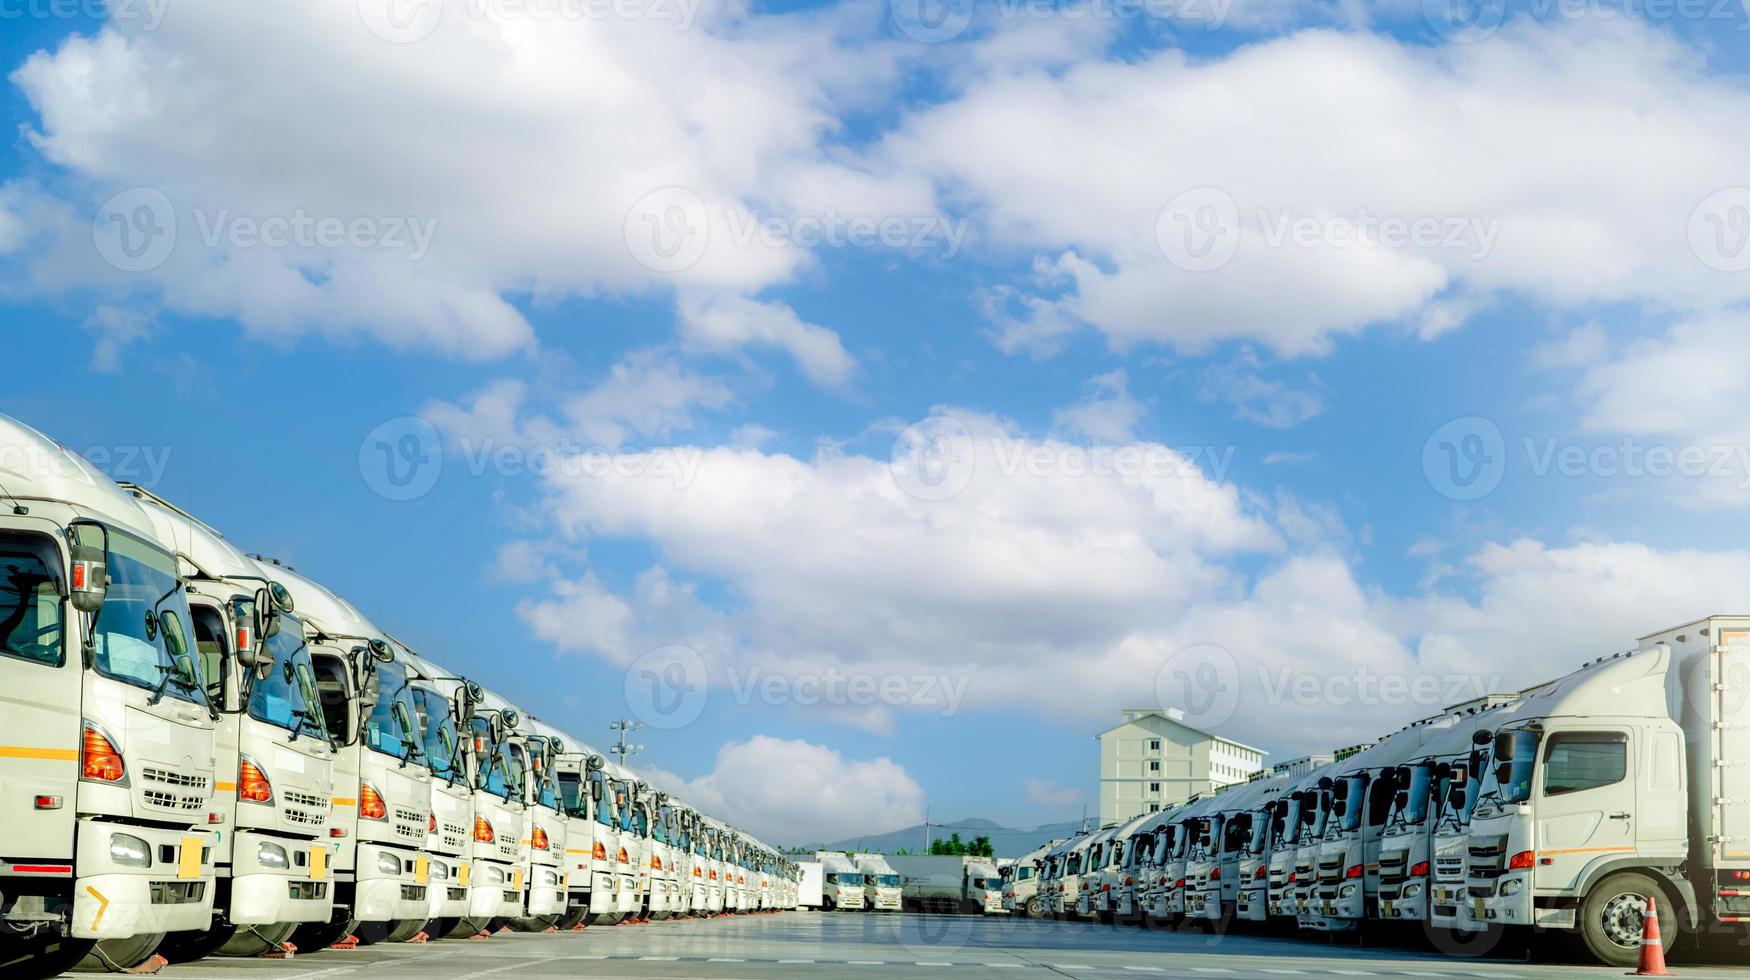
x=34, y=752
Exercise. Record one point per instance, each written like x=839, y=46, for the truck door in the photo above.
x=40, y=702
x=1585, y=803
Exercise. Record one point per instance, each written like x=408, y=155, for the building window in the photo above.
x=1154, y=808
x=1154, y=745
x=1154, y=787
x=1154, y=767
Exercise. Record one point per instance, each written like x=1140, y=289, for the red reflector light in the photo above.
x=81, y=571
x=47, y=803
x=1524, y=859
x=1420, y=870
x=431, y=824
x=99, y=759
x=42, y=869
x=1179, y=884
x=337, y=831
x=243, y=639
x=1290, y=878
x=1215, y=873
x=1353, y=872
x=1258, y=875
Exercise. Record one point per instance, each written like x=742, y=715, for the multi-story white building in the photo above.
x=1152, y=760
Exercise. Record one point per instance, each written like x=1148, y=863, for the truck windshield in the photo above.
x=1290, y=828
x=886, y=881
x=286, y=697
x=1519, y=748
x=495, y=772
x=1321, y=815
x=141, y=630
x=389, y=729
x=1355, y=803
x=443, y=742
x=543, y=770
x=571, y=793
x=850, y=878
x=1421, y=790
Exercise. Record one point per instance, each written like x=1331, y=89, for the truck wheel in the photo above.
x=1613, y=914
x=535, y=923
x=573, y=917
x=1034, y=908
x=30, y=959
x=253, y=940
x=187, y=947
x=313, y=936
x=120, y=955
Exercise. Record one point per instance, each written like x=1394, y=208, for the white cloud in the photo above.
x=1266, y=402
x=725, y=322
x=1067, y=597
x=529, y=141
x=1108, y=415
x=1337, y=128
x=792, y=792
x=116, y=328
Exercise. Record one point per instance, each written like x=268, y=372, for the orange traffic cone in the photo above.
x=1652, y=949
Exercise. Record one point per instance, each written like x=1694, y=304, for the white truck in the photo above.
x=1624, y=781
x=273, y=748
x=109, y=767
x=1021, y=882
x=381, y=810
x=946, y=883
x=880, y=882
x=443, y=708
x=844, y=883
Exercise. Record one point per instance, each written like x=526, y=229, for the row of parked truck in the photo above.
x=207, y=753
x=910, y=882
x=1568, y=808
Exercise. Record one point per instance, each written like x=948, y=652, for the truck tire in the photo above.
x=573, y=917
x=1613, y=914
x=314, y=936
x=252, y=940
x=32, y=959
x=120, y=955
x=1034, y=908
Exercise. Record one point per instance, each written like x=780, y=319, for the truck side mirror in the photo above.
x=1504, y=773
x=1402, y=799
x=370, y=691
x=90, y=576
x=1455, y=795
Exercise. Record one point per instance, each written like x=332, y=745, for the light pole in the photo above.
x=621, y=750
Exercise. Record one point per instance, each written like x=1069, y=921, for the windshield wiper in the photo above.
x=171, y=673
x=305, y=722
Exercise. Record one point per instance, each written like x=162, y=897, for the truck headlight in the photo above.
x=495, y=875
x=1347, y=891
x=1511, y=887
x=272, y=855
x=440, y=871
x=130, y=851
x=388, y=864
x=1412, y=889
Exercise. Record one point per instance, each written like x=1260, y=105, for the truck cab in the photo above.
x=984, y=887
x=271, y=735
x=844, y=883
x=1429, y=787
x=493, y=876
x=1021, y=887
x=583, y=869
x=881, y=889
x=381, y=811
x=443, y=709
x=1618, y=784
x=542, y=847
x=111, y=767
x=1245, y=889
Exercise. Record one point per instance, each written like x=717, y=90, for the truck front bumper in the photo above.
x=113, y=901
x=626, y=897
x=274, y=879
x=446, y=894
x=1510, y=905
x=495, y=890
x=1408, y=903
x=546, y=894
x=1253, y=905
x=383, y=895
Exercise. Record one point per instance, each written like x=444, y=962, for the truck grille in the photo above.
x=410, y=824
x=454, y=835
x=1449, y=868
x=168, y=789
x=1393, y=868
x=1488, y=855
x=178, y=892
x=305, y=809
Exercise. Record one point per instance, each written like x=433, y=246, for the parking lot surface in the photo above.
x=881, y=947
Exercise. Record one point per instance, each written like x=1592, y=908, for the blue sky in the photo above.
x=1582, y=294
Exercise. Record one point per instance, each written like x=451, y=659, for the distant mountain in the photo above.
x=1008, y=842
